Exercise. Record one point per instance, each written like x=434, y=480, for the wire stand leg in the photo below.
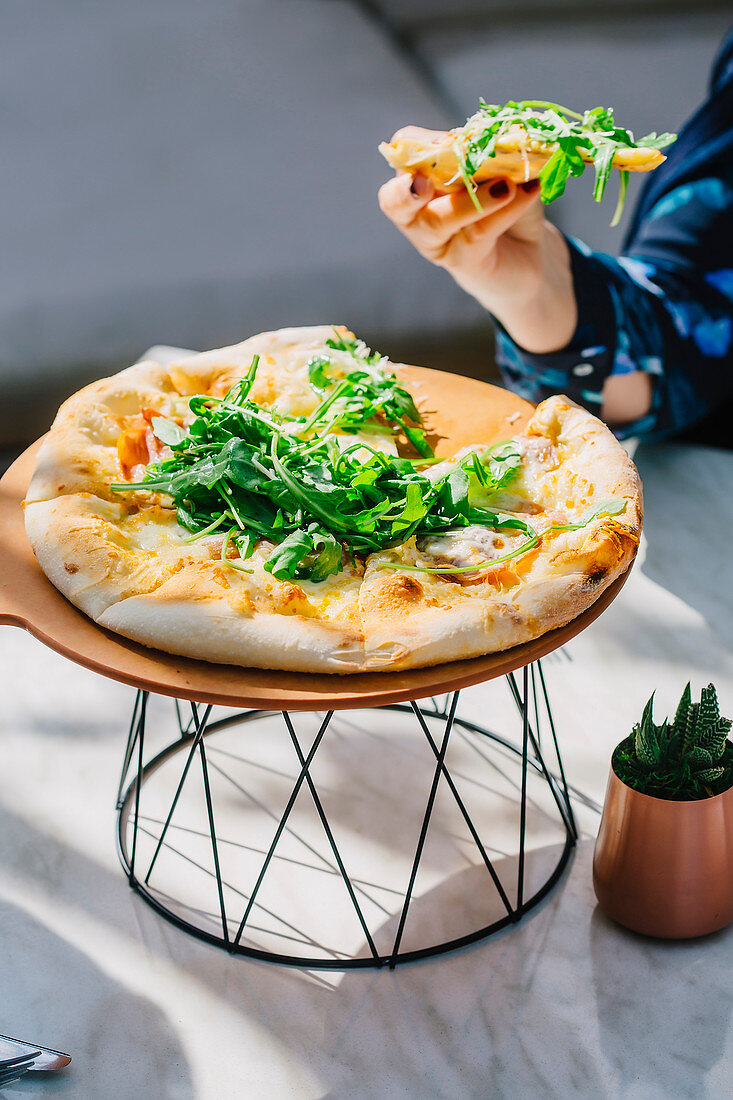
x=214, y=843
x=200, y=727
x=464, y=812
x=283, y=821
x=551, y=720
x=522, y=703
x=129, y=748
x=523, y=804
x=138, y=780
x=424, y=829
x=329, y=834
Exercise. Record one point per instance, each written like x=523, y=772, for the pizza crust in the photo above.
x=125, y=562
x=213, y=630
x=420, y=614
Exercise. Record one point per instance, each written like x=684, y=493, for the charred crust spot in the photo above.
x=70, y=567
x=288, y=599
x=291, y=593
x=595, y=577
x=411, y=587
x=404, y=588
x=242, y=601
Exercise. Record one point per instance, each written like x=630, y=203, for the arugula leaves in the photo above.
x=167, y=431
x=594, y=135
x=249, y=473
x=362, y=394
x=313, y=554
x=610, y=507
x=502, y=461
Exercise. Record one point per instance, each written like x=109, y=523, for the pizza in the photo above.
x=525, y=141
x=277, y=504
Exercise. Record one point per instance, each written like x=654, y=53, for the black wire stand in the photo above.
x=232, y=929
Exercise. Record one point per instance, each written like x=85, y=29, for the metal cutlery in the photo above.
x=15, y=1052
x=12, y=1069
x=10, y=1078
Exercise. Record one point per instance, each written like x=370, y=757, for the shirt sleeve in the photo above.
x=665, y=307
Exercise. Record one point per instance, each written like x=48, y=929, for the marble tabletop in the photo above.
x=565, y=1004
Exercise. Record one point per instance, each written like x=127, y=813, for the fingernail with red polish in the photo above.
x=420, y=186
x=499, y=189
x=530, y=186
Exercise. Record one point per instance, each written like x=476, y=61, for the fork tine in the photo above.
x=8, y=1063
x=11, y=1072
x=10, y=1076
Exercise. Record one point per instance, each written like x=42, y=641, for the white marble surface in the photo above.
x=566, y=1004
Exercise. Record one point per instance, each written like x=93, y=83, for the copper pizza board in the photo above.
x=457, y=411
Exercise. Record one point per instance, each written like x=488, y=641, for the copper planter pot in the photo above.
x=665, y=868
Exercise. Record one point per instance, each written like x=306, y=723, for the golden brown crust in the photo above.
x=517, y=158
x=555, y=583
x=125, y=562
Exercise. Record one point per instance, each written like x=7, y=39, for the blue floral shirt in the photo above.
x=666, y=305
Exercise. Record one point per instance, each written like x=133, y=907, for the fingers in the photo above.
x=528, y=213
x=404, y=196
x=419, y=133
x=442, y=226
x=522, y=212
x=448, y=214
x=430, y=218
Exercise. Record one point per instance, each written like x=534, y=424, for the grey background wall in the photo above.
x=189, y=173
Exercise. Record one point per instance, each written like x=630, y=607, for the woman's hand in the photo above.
x=507, y=255
x=510, y=258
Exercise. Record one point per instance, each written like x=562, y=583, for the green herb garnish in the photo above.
x=609, y=507
x=251, y=473
x=593, y=136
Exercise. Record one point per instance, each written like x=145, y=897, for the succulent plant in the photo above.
x=687, y=758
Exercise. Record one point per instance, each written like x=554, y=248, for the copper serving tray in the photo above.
x=457, y=411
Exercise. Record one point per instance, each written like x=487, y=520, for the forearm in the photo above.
x=653, y=342
x=597, y=366
x=539, y=312
x=650, y=351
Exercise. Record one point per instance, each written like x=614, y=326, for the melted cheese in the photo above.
x=471, y=546
x=154, y=529
x=440, y=469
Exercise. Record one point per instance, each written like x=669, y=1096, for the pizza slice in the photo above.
x=524, y=141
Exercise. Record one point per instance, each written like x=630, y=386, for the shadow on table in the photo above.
x=663, y=1019
x=566, y=1003
x=360, y=1033
x=688, y=525
x=563, y=1003
x=422, y=1030
x=121, y=1044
